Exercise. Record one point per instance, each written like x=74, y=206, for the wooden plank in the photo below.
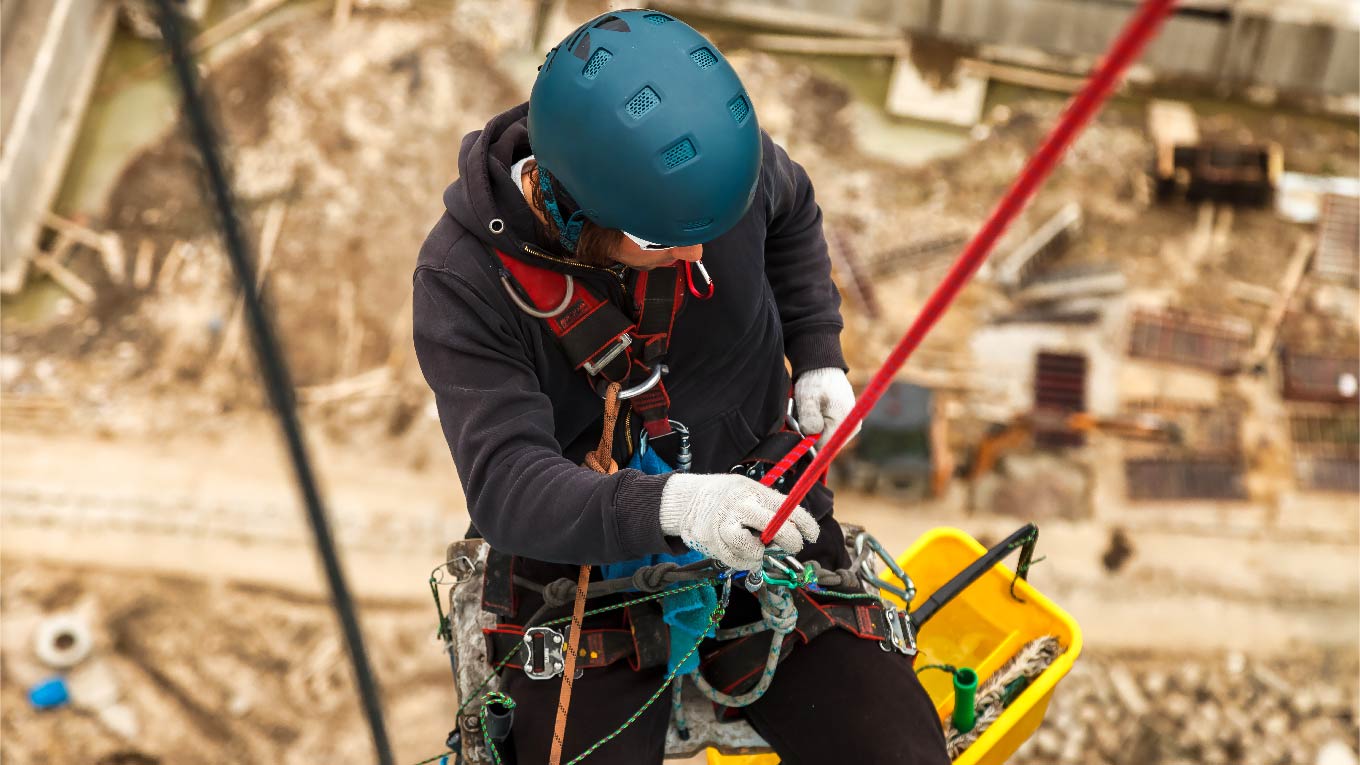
x=343, y=9
x=63, y=276
x=1270, y=328
x=769, y=17
x=1026, y=77
x=142, y=263
x=828, y=46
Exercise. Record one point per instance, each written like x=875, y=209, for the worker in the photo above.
x=632, y=225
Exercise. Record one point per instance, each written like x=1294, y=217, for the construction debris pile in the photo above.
x=1144, y=336
x=1237, y=710
x=191, y=670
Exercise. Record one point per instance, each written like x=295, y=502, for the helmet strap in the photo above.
x=568, y=231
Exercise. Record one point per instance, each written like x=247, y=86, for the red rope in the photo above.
x=782, y=466
x=1140, y=29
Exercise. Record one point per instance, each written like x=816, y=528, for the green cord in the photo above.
x=503, y=700
x=946, y=667
x=715, y=617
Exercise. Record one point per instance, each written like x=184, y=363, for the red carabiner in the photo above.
x=689, y=279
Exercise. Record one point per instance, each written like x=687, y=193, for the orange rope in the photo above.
x=601, y=461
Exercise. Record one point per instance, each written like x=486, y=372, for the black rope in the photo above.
x=273, y=368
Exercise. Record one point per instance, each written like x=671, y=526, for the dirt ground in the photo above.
x=144, y=487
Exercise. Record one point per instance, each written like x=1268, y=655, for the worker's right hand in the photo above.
x=722, y=515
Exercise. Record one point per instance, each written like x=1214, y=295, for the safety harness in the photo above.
x=732, y=668
x=599, y=339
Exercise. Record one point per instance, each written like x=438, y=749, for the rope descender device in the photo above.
x=544, y=659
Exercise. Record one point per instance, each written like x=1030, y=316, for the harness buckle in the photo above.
x=900, y=634
x=620, y=345
x=544, y=659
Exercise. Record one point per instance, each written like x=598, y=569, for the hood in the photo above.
x=485, y=193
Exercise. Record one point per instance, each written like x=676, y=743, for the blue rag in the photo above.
x=687, y=612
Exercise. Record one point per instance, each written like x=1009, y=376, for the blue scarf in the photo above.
x=687, y=612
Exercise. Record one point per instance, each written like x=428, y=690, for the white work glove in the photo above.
x=823, y=398
x=722, y=515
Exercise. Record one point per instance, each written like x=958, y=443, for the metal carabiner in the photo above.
x=799, y=575
x=530, y=309
x=689, y=279
x=796, y=428
x=645, y=385
x=907, y=592
x=684, y=456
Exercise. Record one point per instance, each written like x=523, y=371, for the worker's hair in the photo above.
x=594, y=247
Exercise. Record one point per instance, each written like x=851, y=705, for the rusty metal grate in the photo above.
x=1335, y=432
x=1182, y=338
x=1327, y=473
x=1153, y=479
x=1338, y=248
x=1204, y=430
x=1331, y=379
x=1059, y=386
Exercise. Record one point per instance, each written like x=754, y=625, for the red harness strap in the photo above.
x=600, y=340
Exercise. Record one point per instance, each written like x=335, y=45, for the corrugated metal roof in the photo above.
x=1163, y=478
x=1182, y=338
x=1059, y=386
x=1331, y=379
x=1327, y=473
x=1338, y=248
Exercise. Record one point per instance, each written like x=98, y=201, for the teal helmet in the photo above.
x=647, y=128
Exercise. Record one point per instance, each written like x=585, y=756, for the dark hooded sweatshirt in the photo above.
x=519, y=419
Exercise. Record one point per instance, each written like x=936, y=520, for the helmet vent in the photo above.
x=582, y=49
x=696, y=224
x=704, y=58
x=611, y=24
x=597, y=61
x=656, y=18
x=739, y=108
x=678, y=154
x=644, y=101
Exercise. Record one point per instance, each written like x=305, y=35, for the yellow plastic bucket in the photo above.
x=981, y=628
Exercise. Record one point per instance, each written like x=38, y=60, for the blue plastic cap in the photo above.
x=49, y=694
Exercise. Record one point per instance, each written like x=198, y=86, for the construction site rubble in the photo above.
x=1159, y=362
x=1239, y=709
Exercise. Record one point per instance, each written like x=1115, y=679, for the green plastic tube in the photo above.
x=965, y=693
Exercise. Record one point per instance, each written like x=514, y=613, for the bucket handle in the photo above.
x=1025, y=538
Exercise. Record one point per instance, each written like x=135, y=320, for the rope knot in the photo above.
x=777, y=610
x=653, y=578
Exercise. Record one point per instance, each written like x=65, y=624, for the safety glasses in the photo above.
x=646, y=245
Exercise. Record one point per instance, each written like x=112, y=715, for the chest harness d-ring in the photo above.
x=599, y=337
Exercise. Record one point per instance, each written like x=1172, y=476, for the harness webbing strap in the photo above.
x=590, y=330
x=598, y=648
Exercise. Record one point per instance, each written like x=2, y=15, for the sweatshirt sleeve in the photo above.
x=797, y=265
x=524, y=497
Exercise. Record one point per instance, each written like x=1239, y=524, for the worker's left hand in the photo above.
x=823, y=398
